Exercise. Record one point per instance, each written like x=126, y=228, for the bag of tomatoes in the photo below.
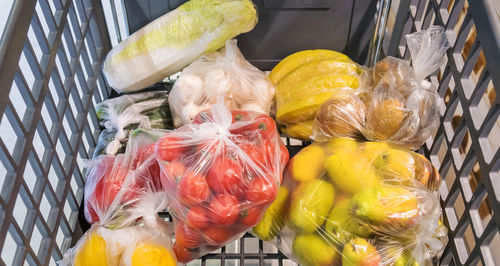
x=220, y=173
x=148, y=242
x=116, y=183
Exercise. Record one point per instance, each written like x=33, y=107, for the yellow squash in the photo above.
x=295, y=60
x=316, y=85
x=317, y=68
x=302, y=110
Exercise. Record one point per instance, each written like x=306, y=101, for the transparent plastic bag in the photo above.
x=306, y=79
x=174, y=40
x=344, y=202
x=225, y=73
x=121, y=115
x=116, y=183
x=145, y=242
x=395, y=102
x=220, y=173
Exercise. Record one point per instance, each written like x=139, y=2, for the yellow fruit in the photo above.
x=385, y=118
x=92, y=251
x=274, y=218
x=401, y=257
x=308, y=163
x=390, y=207
x=301, y=130
x=342, y=145
x=295, y=60
x=310, y=204
x=372, y=149
x=350, y=173
x=302, y=110
x=426, y=173
x=315, y=69
x=316, y=85
x=359, y=252
x=152, y=255
x=341, y=197
x=312, y=250
x=341, y=226
x=396, y=164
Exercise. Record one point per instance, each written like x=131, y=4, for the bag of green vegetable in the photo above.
x=344, y=202
x=173, y=41
x=224, y=73
x=119, y=116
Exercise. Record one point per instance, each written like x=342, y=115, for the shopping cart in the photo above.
x=51, y=53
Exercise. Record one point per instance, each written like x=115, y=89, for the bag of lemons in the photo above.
x=148, y=242
x=345, y=202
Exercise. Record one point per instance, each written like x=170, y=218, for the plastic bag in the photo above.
x=348, y=203
x=395, y=102
x=225, y=73
x=146, y=243
x=220, y=173
x=173, y=41
x=306, y=79
x=116, y=183
x=123, y=114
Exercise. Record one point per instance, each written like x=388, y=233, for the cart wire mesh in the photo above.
x=466, y=146
x=51, y=54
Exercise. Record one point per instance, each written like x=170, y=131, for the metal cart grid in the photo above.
x=466, y=147
x=51, y=80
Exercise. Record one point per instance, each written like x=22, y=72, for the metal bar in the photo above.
x=115, y=20
x=11, y=45
x=397, y=31
x=37, y=116
x=379, y=32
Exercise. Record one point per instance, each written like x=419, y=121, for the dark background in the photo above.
x=287, y=26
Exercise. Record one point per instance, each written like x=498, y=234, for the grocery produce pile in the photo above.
x=359, y=203
x=207, y=148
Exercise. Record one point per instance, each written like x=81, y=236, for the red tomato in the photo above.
x=175, y=170
x=187, y=236
x=224, y=209
x=143, y=154
x=276, y=151
x=193, y=189
x=182, y=254
x=225, y=176
x=285, y=156
x=209, y=147
x=262, y=190
x=218, y=235
x=266, y=126
x=256, y=153
x=168, y=148
x=202, y=117
x=239, y=115
x=250, y=217
x=197, y=217
x=108, y=177
x=262, y=124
